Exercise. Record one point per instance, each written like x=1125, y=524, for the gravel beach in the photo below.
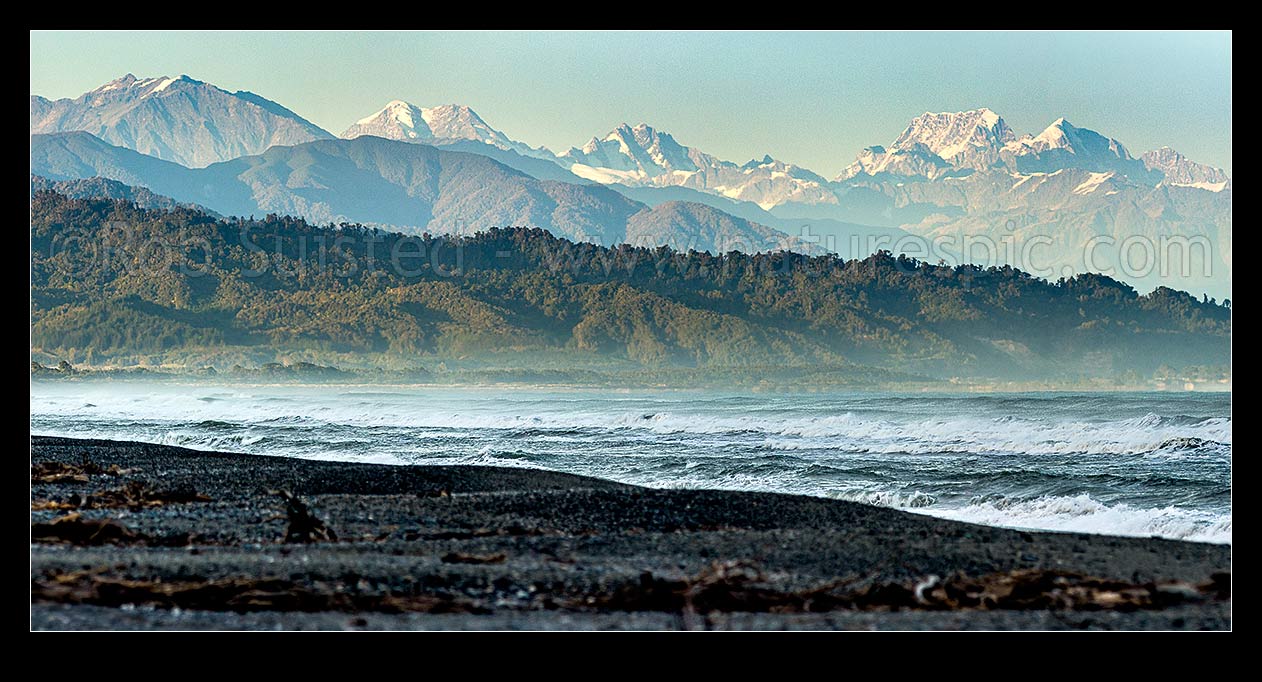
x=136, y=536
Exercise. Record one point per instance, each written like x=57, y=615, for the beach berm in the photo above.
x=143, y=536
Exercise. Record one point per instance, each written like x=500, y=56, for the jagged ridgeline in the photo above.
x=113, y=283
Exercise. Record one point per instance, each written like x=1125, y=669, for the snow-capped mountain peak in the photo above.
x=402, y=112
x=757, y=163
x=459, y=122
x=1064, y=145
x=642, y=155
x=640, y=150
x=621, y=132
x=176, y=119
x=445, y=123
x=1062, y=134
x=1054, y=136
x=131, y=87
x=966, y=139
x=116, y=84
x=937, y=145
x=398, y=120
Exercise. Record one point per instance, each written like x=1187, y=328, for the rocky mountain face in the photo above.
x=1178, y=169
x=180, y=119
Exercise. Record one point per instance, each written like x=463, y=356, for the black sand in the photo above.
x=493, y=548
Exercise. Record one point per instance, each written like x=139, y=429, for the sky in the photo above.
x=809, y=98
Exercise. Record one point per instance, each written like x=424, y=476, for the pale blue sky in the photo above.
x=810, y=98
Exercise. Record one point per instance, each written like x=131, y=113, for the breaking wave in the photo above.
x=1085, y=514
x=1133, y=464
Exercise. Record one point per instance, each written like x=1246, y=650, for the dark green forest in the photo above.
x=114, y=284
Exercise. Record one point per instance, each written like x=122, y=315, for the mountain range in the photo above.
x=413, y=188
x=176, y=119
x=947, y=175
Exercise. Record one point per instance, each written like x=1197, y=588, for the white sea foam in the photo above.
x=1043, y=461
x=886, y=498
x=1084, y=514
x=1149, y=433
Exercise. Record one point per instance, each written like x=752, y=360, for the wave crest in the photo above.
x=1085, y=514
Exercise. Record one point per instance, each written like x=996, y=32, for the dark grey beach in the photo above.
x=168, y=538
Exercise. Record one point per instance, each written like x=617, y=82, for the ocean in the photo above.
x=1120, y=463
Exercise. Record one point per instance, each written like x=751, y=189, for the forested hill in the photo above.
x=113, y=283
x=103, y=188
